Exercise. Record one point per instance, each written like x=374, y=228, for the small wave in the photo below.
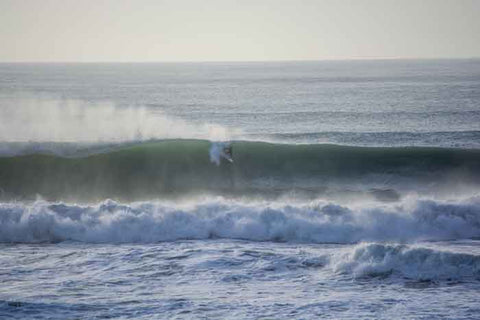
x=315, y=222
x=380, y=260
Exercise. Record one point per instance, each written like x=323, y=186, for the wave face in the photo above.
x=175, y=168
x=417, y=263
x=316, y=222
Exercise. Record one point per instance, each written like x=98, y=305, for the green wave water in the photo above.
x=176, y=168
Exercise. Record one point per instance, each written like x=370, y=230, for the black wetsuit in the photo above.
x=228, y=151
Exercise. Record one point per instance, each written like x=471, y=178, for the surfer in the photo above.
x=227, y=151
x=219, y=150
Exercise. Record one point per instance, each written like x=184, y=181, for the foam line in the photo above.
x=316, y=222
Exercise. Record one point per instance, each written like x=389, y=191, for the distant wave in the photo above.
x=451, y=139
x=315, y=222
x=175, y=168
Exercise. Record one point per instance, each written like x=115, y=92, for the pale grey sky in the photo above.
x=226, y=30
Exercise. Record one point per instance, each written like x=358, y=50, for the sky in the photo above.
x=236, y=30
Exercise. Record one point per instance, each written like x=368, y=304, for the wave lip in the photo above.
x=315, y=222
x=371, y=260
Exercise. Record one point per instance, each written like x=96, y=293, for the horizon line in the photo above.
x=235, y=61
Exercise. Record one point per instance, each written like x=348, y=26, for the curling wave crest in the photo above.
x=314, y=222
x=417, y=263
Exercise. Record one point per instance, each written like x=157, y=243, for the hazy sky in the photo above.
x=224, y=30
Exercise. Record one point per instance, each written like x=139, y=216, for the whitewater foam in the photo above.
x=411, y=262
x=314, y=222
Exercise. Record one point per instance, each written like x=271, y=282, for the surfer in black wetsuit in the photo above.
x=227, y=150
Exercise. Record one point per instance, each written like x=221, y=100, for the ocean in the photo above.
x=240, y=190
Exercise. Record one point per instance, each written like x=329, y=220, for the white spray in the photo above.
x=217, y=151
x=55, y=120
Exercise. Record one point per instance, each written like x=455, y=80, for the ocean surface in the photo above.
x=352, y=190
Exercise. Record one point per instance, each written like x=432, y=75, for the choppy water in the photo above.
x=229, y=279
x=353, y=192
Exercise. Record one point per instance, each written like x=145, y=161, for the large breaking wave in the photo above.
x=315, y=222
x=167, y=168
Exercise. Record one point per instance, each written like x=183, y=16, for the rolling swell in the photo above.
x=183, y=167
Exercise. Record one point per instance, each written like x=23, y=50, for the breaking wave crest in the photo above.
x=315, y=222
x=417, y=263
